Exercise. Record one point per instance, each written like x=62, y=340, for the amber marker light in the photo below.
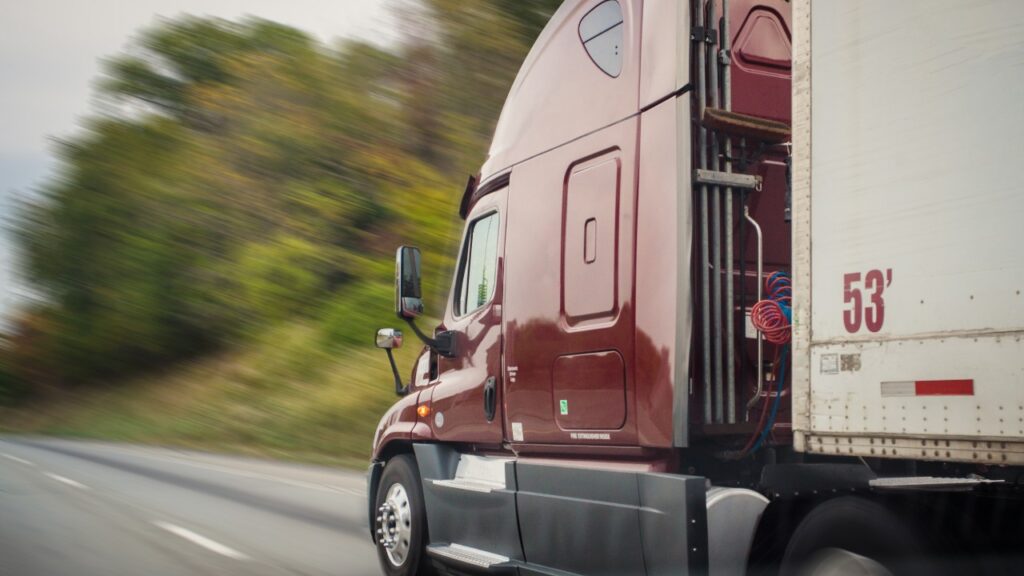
x=423, y=410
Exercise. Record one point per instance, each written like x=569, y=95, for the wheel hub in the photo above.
x=394, y=524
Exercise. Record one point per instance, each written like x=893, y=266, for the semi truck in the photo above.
x=738, y=292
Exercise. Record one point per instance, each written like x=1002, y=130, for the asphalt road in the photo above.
x=88, y=508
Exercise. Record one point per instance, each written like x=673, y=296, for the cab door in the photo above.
x=466, y=400
x=570, y=130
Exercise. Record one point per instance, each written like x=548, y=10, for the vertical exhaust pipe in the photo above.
x=716, y=231
x=698, y=12
x=730, y=303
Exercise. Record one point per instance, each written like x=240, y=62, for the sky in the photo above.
x=50, y=55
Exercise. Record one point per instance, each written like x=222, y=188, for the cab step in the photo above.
x=473, y=559
x=470, y=484
x=477, y=474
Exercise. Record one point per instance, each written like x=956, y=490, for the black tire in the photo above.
x=402, y=471
x=857, y=536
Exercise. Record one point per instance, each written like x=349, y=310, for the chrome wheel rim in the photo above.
x=394, y=524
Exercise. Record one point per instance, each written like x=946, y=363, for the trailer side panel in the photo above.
x=915, y=278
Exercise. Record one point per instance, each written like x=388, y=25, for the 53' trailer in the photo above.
x=739, y=291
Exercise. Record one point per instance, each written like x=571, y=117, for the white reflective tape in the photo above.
x=899, y=388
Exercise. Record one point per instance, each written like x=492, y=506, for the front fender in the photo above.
x=372, y=480
x=401, y=423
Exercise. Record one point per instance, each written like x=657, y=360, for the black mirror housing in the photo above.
x=409, y=300
x=408, y=294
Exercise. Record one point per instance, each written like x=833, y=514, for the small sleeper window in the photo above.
x=601, y=34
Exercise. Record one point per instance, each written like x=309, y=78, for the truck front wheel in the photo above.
x=855, y=536
x=400, y=519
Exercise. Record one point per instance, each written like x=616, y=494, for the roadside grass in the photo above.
x=287, y=395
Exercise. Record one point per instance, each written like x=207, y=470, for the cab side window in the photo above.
x=479, y=263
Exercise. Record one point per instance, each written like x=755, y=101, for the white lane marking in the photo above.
x=200, y=540
x=16, y=459
x=67, y=481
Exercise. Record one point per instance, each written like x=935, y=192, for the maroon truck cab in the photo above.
x=572, y=312
x=585, y=324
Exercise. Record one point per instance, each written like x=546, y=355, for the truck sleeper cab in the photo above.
x=615, y=386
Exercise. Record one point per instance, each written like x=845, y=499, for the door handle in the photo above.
x=490, y=398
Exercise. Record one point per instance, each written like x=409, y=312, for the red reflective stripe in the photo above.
x=944, y=388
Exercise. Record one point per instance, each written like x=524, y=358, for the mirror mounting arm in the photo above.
x=400, y=389
x=443, y=342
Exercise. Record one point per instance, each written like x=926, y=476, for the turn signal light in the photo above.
x=423, y=410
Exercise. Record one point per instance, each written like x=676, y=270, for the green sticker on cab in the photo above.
x=563, y=406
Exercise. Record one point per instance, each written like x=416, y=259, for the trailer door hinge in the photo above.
x=702, y=34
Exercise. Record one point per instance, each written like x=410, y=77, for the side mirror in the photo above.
x=389, y=338
x=408, y=298
x=409, y=301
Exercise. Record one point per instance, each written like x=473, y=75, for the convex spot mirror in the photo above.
x=408, y=298
x=389, y=338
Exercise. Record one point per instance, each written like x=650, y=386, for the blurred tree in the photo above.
x=244, y=174
x=482, y=44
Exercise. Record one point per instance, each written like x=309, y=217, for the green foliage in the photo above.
x=351, y=319
x=244, y=179
x=11, y=386
x=280, y=277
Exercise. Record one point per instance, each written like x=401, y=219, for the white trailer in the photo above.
x=907, y=224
